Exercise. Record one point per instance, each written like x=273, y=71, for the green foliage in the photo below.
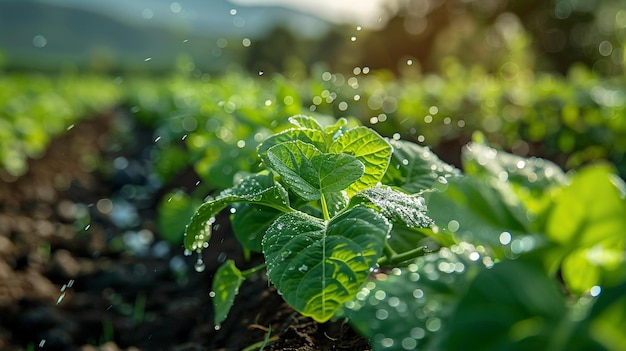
x=35, y=108
x=509, y=221
x=409, y=307
x=319, y=245
x=317, y=266
x=175, y=210
x=497, y=285
x=513, y=243
x=226, y=284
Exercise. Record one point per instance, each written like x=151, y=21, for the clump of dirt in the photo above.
x=82, y=266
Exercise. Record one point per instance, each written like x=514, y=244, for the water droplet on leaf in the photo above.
x=199, y=266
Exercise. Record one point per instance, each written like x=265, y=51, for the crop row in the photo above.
x=573, y=119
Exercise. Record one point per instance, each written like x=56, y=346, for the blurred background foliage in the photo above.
x=211, y=79
x=537, y=77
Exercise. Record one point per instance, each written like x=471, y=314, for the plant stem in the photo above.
x=324, y=208
x=251, y=271
x=388, y=250
x=396, y=258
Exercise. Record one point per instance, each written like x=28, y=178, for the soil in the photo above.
x=82, y=266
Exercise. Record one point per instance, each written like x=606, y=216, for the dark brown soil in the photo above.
x=72, y=276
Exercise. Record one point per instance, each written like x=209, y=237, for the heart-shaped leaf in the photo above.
x=260, y=188
x=292, y=161
x=336, y=171
x=309, y=173
x=317, y=265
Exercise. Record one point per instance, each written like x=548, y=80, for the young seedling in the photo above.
x=319, y=214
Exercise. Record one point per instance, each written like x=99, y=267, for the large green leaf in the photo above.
x=317, y=265
x=399, y=207
x=260, y=189
x=589, y=210
x=369, y=148
x=415, y=168
x=409, y=307
x=533, y=173
x=475, y=211
x=309, y=173
x=519, y=179
x=515, y=306
x=226, y=283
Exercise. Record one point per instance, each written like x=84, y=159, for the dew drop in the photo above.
x=595, y=291
x=61, y=298
x=353, y=38
x=433, y=324
x=418, y=333
x=199, y=266
x=42, y=342
x=147, y=59
x=218, y=327
x=453, y=225
x=380, y=295
x=39, y=41
x=409, y=343
x=387, y=342
x=505, y=238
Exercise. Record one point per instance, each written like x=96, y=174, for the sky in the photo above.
x=361, y=12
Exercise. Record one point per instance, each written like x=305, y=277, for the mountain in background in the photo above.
x=140, y=35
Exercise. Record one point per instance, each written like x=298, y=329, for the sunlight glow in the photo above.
x=365, y=13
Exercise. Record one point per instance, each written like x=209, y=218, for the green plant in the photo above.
x=520, y=255
x=319, y=214
x=538, y=263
